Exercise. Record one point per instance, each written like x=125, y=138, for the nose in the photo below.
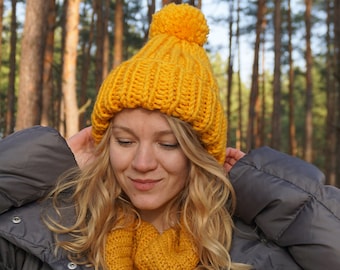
x=144, y=159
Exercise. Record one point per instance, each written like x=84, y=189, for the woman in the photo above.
x=151, y=113
x=150, y=191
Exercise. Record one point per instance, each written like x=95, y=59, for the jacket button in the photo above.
x=16, y=220
x=71, y=265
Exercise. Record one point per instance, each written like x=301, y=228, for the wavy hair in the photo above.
x=205, y=205
x=209, y=201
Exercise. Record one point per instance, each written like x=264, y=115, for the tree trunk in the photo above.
x=85, y=67
x=292, y=132
x=31, y=64
x=230, y=66
x=337, y=78
x=198, y=3
x=330, y=150
x=10, y=111
x=119, y=33
x=58, y=104
x=69, y=68
x=308, y=147
x=239, y=131
x=254, y=91
x=47, y=89
x=106, y=40
x=166, y=2
x=2, y=104
x=100, y=30
x=276, y=117
x=151, y=11
x=1, y=27
x=262, y=134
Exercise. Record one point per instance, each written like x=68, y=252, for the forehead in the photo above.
x=141, y=119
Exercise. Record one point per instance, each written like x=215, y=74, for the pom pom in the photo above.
x=182, y=21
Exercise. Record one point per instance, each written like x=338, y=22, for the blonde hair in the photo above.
x=205, y=205
x=210, y=201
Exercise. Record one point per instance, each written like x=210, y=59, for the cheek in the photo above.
x=117, y=159
x=179, y=165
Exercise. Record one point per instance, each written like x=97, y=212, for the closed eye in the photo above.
x=169, y=145
x=124, y=142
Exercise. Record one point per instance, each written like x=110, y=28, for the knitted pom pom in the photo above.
x=183, y=21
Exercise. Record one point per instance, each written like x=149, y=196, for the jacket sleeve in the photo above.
x=30, y=162
x=12, y=257
x=288, y=201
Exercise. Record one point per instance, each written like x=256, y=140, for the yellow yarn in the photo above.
x=172, y=74
x=144, y=248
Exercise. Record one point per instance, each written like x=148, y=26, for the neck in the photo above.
x=157, y=220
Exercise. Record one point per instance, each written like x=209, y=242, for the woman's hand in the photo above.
x=82, y=146
x=232, y=156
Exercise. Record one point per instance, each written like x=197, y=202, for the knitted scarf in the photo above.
x=145, y=248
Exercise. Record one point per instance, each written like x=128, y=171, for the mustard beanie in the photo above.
x=172, y=74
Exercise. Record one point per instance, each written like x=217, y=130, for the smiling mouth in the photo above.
x=144, y=185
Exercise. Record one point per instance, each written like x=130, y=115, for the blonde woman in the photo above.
x=150, y=190
x=156, y=193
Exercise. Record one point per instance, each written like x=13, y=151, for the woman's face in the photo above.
x=150, y=165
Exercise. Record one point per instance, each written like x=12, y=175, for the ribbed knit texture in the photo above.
x=172, y=74
x=144, y=248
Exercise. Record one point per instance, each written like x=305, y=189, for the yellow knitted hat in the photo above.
x=172, y=74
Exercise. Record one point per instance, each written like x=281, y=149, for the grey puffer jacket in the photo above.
x=30, y=162
x=286, y=218
x=288, y=205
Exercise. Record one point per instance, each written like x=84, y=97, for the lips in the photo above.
x=144, y=184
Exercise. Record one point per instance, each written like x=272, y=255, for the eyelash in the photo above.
x=169, y=146
x=126, y=143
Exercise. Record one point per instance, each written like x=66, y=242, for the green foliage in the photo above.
x=220, y=71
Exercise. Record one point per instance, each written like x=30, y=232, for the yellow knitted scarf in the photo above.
x=145, y=248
